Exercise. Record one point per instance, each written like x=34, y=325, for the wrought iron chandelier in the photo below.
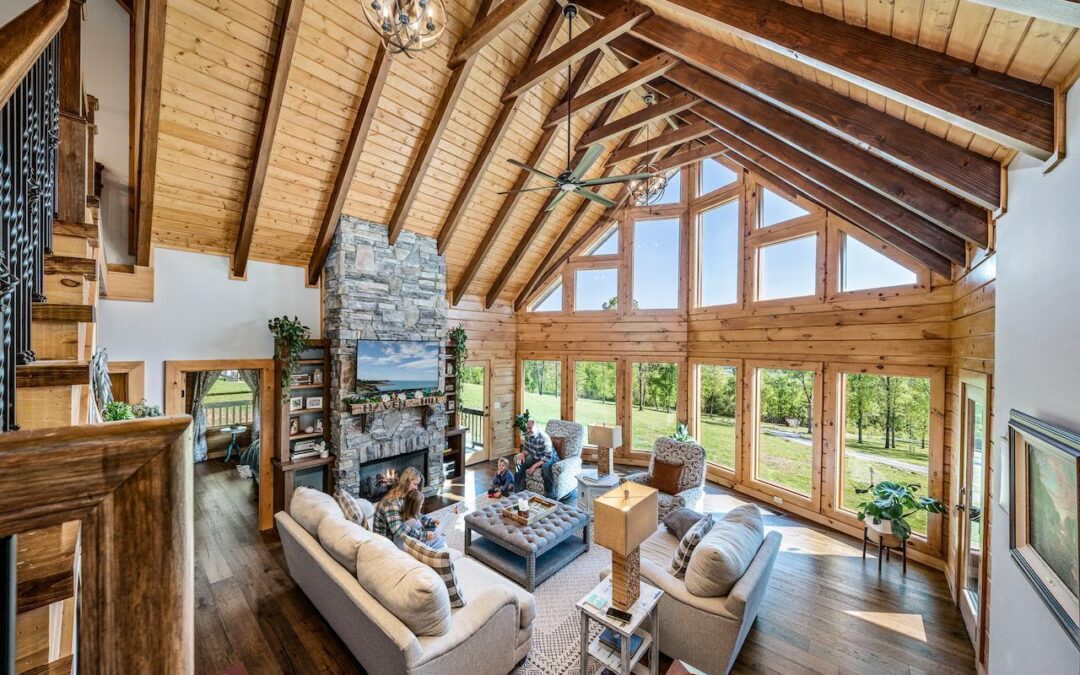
x=407, y=26
x=649, y=190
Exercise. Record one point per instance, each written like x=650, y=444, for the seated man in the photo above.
x=537, y=454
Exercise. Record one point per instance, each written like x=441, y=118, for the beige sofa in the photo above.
x=488, y=636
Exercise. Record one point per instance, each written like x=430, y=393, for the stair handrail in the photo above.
x=24, y=38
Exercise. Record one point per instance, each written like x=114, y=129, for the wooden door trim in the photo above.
x=489, y=426
x=134, y=375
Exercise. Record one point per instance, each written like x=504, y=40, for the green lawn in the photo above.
x=226, y=390
x=472, y=396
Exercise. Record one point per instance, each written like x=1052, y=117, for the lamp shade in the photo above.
x=624, y=516
x=604, y=436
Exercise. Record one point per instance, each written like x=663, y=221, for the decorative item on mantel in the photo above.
x=625, y=517
x=606, y=439
x=364, y=407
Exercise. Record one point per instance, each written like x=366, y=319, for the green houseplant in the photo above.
x=458, y=340
x=891, y=504
x=290, y=341
x=521, y=421
x=682, y=434
x=116, y=411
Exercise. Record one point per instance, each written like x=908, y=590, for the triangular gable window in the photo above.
x=551, y=301
x=776, y=209
x=864, y=267
x=607, y=244
x=715, y=175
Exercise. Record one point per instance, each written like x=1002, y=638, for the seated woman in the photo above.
x=420, y=527
x=388, y=521
x=502, y=485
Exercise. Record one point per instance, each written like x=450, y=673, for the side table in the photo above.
x=590, y=486
x=593, y=607
x=234, y=446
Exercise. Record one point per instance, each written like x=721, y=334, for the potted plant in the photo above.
x=290, y=341
x=890, y=505
x=116, y=411
x=458, y=340
x=521, y=422
x=144, y=409
x=682, y=434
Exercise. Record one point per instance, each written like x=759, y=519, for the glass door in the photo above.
x=972, y=501
x=474, y=413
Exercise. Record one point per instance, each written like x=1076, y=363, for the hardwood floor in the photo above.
x=826, y=610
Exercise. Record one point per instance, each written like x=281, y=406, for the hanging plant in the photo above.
x=290, y=341
x=458, y=339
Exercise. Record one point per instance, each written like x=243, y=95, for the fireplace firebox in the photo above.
x=377, y=477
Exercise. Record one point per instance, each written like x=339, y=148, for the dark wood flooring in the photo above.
x=826, y=610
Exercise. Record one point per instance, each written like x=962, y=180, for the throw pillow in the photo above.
x=559, y=443
x=342, y=539
x=725, y=552
x=442, y=564
x=688, y=543
x=680, y=520
x=358, y=510
x=666, y=476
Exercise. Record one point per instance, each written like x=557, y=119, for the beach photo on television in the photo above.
x=384, y=366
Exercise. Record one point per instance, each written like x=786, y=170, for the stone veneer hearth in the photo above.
x=375, y=291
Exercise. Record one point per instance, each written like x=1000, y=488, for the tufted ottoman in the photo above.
x=528, y=554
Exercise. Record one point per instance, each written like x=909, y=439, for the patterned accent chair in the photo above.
x=565, y=471
x=691, y=485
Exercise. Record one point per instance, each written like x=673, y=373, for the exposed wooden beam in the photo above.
x=1005, y=109
x=288, y=28
x=969, y=174
x=365, y=114
x=636, y=120
x=485, y=29
x=588, y=66
x=600, y=33
x=1065, y=12
x=617, y=86
x=935, y=204
x=664, y=141
x=690, y=156
x=152, y=59
x=495, y=135
x=450, y=95
x=542, y=215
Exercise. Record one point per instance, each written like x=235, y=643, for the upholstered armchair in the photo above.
x=691, y=484
x=566, y=470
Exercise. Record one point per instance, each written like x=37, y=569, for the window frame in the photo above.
x=699, y=175
x=631, y=221
x=837, y=229
x=715, y=471
x=756, y=242
x=539, y=298
x=519, y=376
x=628, y=395
x=585, y=256
x=570, y=275
x=714, y=200
x=570, y=369
x=757, y=200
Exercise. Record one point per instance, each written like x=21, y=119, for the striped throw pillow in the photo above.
x=690, y=540
x=355, y=509
x=442, y=564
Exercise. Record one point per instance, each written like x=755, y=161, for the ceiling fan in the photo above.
x=570, y=180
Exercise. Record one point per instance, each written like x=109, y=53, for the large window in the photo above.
x=542, y=389
x=607, y=244
x=885, y=436
x=550, y=300
x=863, y=267
x=656, y=263
x=714, y=175
x=788, y=269
x=717, y=387
x=654, y=394
x=596, y=289
x=594, y=392
x=718, y=256
x=784, y=435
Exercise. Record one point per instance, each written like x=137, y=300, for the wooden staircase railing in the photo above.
x=24, y=39
x=129, y=485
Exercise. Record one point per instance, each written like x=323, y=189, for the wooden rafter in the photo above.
x=585, y=71
x=450, y=96
x=935, y=204
x=288, y=29
x=152, y=61
x=1067, y=13
x=690, y=156
x=600, y=33
x=617, y=86
x=636, y=120
x=1003, y=108
x=485, y=29
x=966, y=172
x=365, y=114
x=541, y=216
x=664, y=141
x=495, y=135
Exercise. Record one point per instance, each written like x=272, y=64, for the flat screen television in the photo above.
x=385, y=366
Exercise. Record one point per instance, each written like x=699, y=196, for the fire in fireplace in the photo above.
x=377, y=477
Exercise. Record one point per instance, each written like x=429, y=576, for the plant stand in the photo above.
x=886, y=543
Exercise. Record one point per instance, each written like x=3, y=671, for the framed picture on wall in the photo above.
x=1044, y=469
x=296, y=403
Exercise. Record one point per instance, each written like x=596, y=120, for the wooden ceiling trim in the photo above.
x=630, y=78
x=1009, y=110
x=365, y=113
x=585, y=71
x=542, y=215
x=450, y=96
x=971, y=175
x=666, y=107
x=662, y=142
x=152, y=43
x=597, y=35
x=485, y=29
x=289, y=28
x=933, y=203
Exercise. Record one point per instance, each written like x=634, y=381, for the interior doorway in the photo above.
x=972, y=507
x=475, y=410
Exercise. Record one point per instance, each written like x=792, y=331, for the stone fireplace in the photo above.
x=375, y=291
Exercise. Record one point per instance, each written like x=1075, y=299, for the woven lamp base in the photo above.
x=625, y=579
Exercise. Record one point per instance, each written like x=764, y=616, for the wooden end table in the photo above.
x=593, y=607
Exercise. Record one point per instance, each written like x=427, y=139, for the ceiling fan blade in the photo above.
x=591, y=155
x=555, y=201
x=538, y=172
x=535, y=189
x=616, y=179
x=599, y=199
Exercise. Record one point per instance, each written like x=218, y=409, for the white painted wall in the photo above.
x=1037, y=367
x=199, y=313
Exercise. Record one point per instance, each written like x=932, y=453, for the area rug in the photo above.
x=556, y=647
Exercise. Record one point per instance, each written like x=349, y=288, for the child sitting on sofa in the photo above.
x=502, y=485
x=420, y=527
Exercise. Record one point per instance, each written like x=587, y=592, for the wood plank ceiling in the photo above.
x=916, y=162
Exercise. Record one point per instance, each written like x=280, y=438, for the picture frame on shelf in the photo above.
x=313, y=402
x=294, y=426
x=318, y=425
x=296, y=403
x=299, y=379
x=303, y=446
x=316, y=377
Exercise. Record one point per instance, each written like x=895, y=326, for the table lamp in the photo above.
x=625, y=516
x=606, y=439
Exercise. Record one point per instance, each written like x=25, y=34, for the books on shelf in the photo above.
x=614, y=640
x=304, y=454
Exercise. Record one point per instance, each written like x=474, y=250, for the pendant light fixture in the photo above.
x=650, y=189
x=406, y=26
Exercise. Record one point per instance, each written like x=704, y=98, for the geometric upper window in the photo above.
x=862, y=267
x=656, y=263
x=607, y=244
x=788, y=269
x=550, y=301
x=718, y=262
x=673, y=191
x=596, y=289
x=714, y=176
x=776, y=209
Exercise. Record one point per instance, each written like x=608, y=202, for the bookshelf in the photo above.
x=303, y=423
x=454, y=452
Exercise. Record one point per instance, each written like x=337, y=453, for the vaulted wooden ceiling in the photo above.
x=277, y=114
